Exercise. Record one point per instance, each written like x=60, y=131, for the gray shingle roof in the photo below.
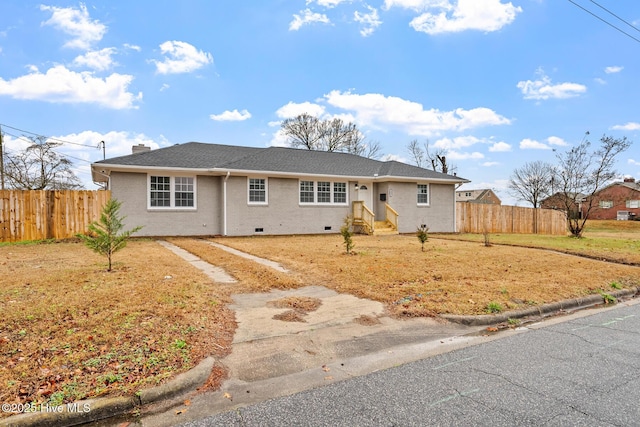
x=197, y=155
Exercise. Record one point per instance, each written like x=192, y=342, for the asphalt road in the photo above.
x=582, y=370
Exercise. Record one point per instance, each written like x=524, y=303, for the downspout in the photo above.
x=455, y=208
x=224, y=204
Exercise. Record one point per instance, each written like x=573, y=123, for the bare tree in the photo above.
x=532, y=182
x=581, y=173
x=422, y=157
x=39, y=167
x=307, y=131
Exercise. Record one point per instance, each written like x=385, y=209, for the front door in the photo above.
x=365, y=193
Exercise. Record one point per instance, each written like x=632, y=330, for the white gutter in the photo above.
x=224, y=204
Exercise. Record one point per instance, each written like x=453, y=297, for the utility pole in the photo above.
x=1, y=163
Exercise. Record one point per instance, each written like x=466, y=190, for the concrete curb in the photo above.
x=541, y=311
x=86, y=411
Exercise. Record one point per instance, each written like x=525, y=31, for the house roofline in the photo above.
x=101, y=171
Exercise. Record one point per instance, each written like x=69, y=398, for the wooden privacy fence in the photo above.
x=478, y=218
x=48, y=214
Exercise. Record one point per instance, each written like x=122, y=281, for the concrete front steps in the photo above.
x=382, y=228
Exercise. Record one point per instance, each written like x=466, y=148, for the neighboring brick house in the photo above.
x=619, y=196
x=557, y=202
x=485, y=196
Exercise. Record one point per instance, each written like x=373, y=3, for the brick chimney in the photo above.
x=629, y=179
x=140, y=148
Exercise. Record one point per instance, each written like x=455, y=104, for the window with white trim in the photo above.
x=258, y=191
x=423, y=194
x=172, y=192
x=307, y=194
x=184, y=191
x=633, y=203
x=606, y=204
x=323, y=192
x=340, y=192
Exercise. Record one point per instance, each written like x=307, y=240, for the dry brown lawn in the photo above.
x=448, y=277
x=69, y=330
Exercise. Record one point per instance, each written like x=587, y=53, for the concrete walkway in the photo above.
x=216, y=274
x=259, y=260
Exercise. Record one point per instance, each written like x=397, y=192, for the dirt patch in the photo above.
x=367, y=320
x=290, y=316
x=300, y=307
x=300, y=304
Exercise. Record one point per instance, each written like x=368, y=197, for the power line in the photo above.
x=611, y=13
x=48, y=137
x=61, y=154
x=603, y=20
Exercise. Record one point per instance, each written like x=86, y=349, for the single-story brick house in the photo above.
x=210, y=189
x=620, y=196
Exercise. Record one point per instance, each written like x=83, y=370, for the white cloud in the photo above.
x=544, y=89
x=599, y=80
x=60, y=85
x=613, y=70
x=164, y=87
x=293, y=109
x=181, y=57
x=449, y=17
x=396, y=157
x=457, y=142
x=554, y=140
x=307, y=17
x=328, y=3
x=279, y=139
x=381, y=111
x=369, y=21
x=490, y=164
x=500, y=147
x=455, y=155
x=633, y=162
x=76, y=23
x=628, y=126
x=132, y=47
x=531, y=144
x=417, y=5
x=231, y=116
x=99, y=60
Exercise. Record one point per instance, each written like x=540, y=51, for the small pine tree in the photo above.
x=103, y=236
x=423, y=234
x=347, y=233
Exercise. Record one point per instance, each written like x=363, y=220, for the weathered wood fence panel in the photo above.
x=478, y=218
x=48, y=214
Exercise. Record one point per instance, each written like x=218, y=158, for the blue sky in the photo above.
x=493, y=82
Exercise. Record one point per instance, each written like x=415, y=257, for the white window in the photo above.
x=423, y=194
x=340, y=192
x=184, y=191
x=258, y=191
x=307, y=194
x=172, y=192
x=323, y=192
x=467, y=194
x=633, y=203
x=606, y=204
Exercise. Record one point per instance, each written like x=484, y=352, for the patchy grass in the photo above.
x=616, y=241
x=448, y=277
x=69, y=330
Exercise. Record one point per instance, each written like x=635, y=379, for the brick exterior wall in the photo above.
x=618, y=194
